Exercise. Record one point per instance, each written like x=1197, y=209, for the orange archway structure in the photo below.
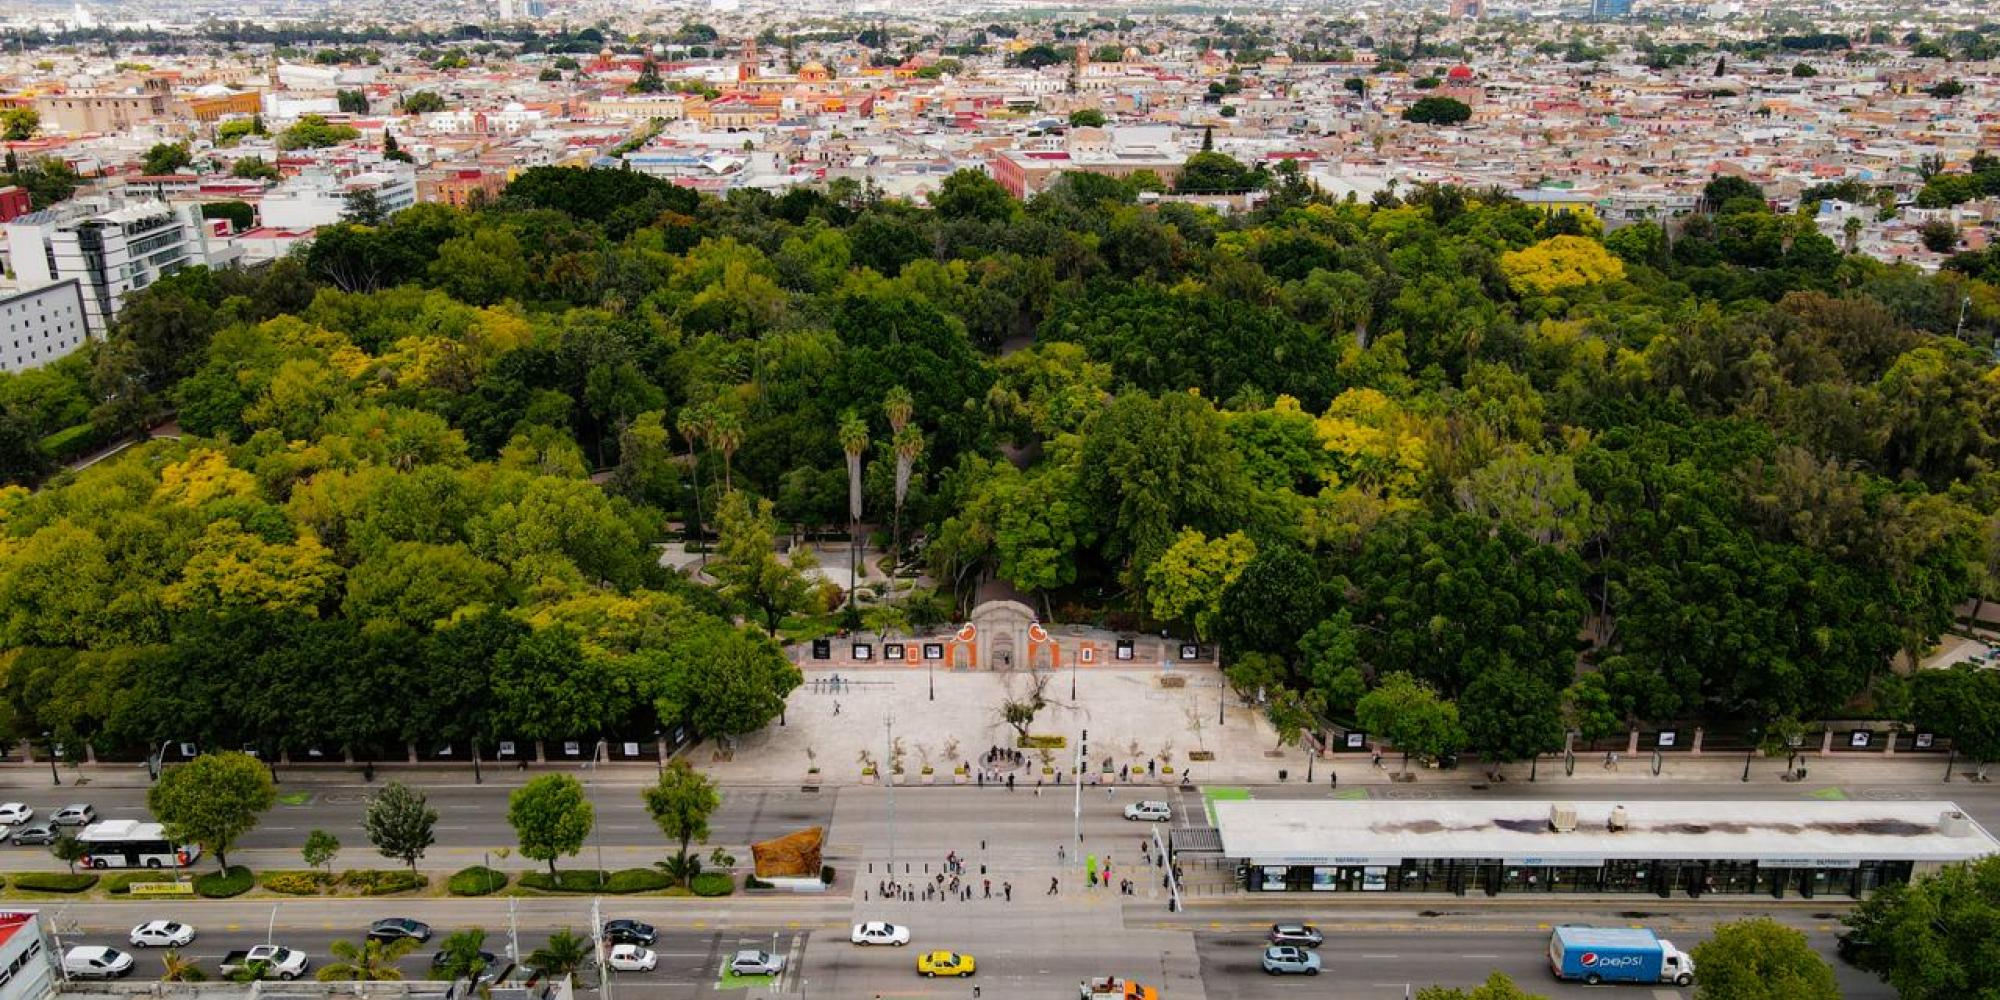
x=1044, y=651
x=962, y=649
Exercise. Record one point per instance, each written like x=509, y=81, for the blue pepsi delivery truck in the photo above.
x=1617, y=955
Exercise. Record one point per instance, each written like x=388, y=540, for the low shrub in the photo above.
x=1038, y=741
x=638, y=880
x=826, y=874
x=221, y=885
x=54, y=881
x=477, y=880
x=714, y=884
x=297, y=883
x=382, y=882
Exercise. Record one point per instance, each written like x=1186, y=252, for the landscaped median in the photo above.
x=477, y=880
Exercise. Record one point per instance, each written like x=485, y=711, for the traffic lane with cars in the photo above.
x=1378, y=966
x=687, y=960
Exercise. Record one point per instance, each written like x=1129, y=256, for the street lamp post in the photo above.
x=1748, y=754
x=660, y=750
x=50, y=739
x=1312, y=754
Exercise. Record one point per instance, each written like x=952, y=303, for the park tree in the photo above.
x=681, y=803
x=1436, y=110
x=747, y=560
x=1511, y=715
x=971, y=194
x=213, y=800
x=1187, y=582
x=1761, y=959
x=551, y=816
x=1086, y=118
x=725, y=681
x=1558, y=264
x=423, y=102
x=1210, y=172
x=1961, y=703
x=400, y=823
x=314, y=132
x=1408, y=714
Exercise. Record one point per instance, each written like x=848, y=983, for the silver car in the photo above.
x=756, y=963
x=1284, y=959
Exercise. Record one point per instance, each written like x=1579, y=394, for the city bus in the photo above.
x=128, y=843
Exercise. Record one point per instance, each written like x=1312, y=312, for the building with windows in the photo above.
x=40, y=324
x=1465, y=847
x=28, y=960
x=112, y=248
x=319, y=197
x=1610, y=8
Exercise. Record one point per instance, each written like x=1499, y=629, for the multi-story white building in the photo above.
x=110, y=246
x=28, y=960
x=320, y=197
x=39, y=325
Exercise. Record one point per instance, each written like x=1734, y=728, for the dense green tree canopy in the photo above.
x=1441, y=434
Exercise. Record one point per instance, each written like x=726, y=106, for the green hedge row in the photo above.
x=594, y=880
x=54, y=881
x=217, y=885
x=382, y=882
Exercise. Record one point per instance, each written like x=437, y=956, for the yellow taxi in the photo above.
x=945, y=963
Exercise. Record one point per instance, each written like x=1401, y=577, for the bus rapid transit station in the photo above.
x=1801, y=848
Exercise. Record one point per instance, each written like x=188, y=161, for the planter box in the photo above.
x=812, y=780
x=930, y=779
x=960, y=778
x=868, y=779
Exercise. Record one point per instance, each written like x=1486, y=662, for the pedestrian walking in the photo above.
x=1054, y=885
x=1061, y=855
x=1332, y=778
x=836, y=708
x=1010, y=782
x=1007, y=891
x=987, y=885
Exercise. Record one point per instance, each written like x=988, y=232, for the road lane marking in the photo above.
x=1382, y=956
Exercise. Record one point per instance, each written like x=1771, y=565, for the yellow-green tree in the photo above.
x=1187, y=582
x=1560, y=263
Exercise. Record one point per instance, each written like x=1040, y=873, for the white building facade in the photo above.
x=111, y=249
x=320, y=198
x=40, y=324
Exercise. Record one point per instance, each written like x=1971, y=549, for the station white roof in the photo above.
x=1797, y=833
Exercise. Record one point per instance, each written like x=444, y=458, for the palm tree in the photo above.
x=179, y=969
x=371, y=961
x=853, y=441
x=563, y=955
x=682, y=868
x=909, y=444
x=689, y=422
x=1851, y=227
x=462, y=958
x=897, y=405
x=725, y=432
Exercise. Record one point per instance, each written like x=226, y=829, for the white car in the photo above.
x=632, y=958
x=162, y=934
x=756, y=963
x=877, y=932
x=1151, y=810
x=16, y=813
x=95, y=961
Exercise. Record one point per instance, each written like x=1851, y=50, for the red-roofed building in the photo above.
x=14, y=203
x=28, y=955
